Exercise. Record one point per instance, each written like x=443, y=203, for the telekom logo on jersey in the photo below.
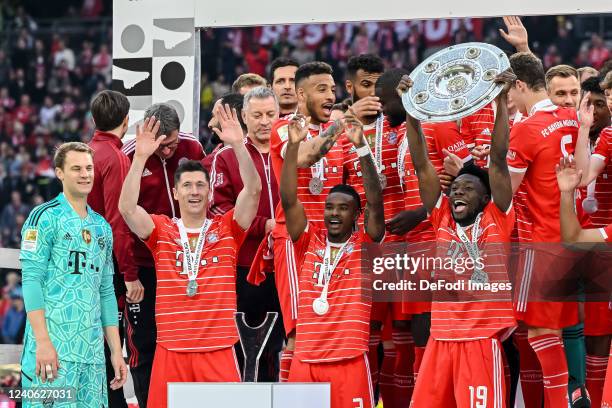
x=203, y=262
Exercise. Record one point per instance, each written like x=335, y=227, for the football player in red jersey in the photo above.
x=383, y=138
x=467, y=333
x=320, y=162
x=594, y=160
x=334, y=309
x=196, y=331
x=536, y=144
x=568, y=178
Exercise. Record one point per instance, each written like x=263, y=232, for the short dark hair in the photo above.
x=309, y=69
x=391, y=78
x=349, y=190
x=529, y=69
x=592, y=85
x=281, y=62
x=109, y=109
x=478, y=172
x=367, y=62
x=236, y=101
x=168, y=118
x=189, y=166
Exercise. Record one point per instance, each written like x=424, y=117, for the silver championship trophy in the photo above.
x=253, y=341
x=455, y=82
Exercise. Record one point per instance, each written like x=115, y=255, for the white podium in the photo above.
x=252, y=395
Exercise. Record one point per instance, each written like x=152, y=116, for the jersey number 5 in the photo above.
x=565, y=141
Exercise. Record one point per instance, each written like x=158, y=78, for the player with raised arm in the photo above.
x=568, y=179
x=334, y=306
x=319, y=163
x=547, y=133
x=67, y=263
x=195, y=262
x=474, y=222
x=594, y=159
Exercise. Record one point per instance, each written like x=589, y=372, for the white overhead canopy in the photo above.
x=271, y=12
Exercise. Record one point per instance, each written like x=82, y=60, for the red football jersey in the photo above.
x=393, y=194
x=491, y=313
x=204, y=322
x=314, y=204
x=536, y=145
x=342, y=332
x=603, y=185
x=441, y=136
x=477, y=129
x=438, y=136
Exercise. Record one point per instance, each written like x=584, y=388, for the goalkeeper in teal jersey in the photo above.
x=66, y=258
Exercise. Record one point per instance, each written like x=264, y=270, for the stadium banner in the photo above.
x=154, y=52
x=435, y=32
x=273, y=12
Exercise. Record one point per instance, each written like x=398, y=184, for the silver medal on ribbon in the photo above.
x=192, y=288
x=315, y=186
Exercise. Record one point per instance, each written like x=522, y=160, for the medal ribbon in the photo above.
x=377, y=154
x=327, y=270
x=318, y=169
x=191, y=261
x=401, y=160
x=471, y=247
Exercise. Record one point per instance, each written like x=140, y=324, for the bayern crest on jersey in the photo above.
x=213, y=237
x=350, y=248
x=320, y=253
x=392, y=137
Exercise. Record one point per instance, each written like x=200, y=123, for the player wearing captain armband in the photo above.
x=67, y=263
x=334, y=309
x=195, y=262
x=463, y=361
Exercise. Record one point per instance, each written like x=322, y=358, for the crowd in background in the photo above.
x=50, y=71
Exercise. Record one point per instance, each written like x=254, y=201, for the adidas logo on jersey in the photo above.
x=146, y=172
x=486, y=131
x=67, y=237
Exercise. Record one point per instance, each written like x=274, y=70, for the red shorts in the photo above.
x=173, y=366
x=286, y=278
x=607, y=392
x=461, y=374
x=534, y=278
x=351, y=385
x=597, y=318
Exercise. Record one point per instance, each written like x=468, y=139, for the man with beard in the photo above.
x=282, y=80
x=467, y=333
x=334, y=307
x=319, y=169
x=195, y=262
x=260, y=111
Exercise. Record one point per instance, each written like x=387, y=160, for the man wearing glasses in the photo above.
x=155, y=197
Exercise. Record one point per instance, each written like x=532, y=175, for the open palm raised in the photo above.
x=230, y=131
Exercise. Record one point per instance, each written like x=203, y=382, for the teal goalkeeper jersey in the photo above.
x=67, y=268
